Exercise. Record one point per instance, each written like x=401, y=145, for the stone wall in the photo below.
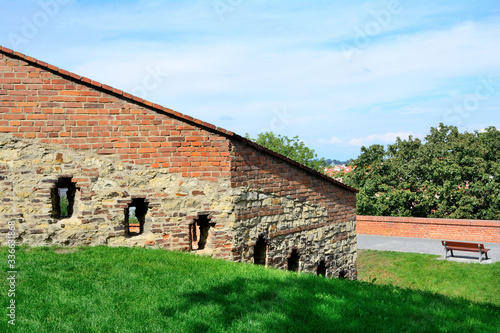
x=115, y=147
x=293, y=211
x=287, y=225
x=105, y=188
x=201, y=188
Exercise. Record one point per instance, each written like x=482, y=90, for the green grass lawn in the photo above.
x=474, y=282
x=101, y=289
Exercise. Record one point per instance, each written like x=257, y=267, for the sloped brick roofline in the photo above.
x=158, y=108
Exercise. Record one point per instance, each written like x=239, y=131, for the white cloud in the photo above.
x=333, y=141
x=386, y=138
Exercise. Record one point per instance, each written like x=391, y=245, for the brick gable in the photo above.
x=196, y=186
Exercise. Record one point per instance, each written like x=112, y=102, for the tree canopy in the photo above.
x=294, y=149
x=448, y=175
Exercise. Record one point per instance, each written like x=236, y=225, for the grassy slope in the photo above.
x=104, y=289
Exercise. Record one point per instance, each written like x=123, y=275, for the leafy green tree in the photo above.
x=294, y=149
x=450, y=174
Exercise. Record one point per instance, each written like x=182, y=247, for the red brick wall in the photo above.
x=38, y=103
x=451, y=229
x=261, y=171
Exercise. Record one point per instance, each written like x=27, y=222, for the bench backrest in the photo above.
x=474, y=246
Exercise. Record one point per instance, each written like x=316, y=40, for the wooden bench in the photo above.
x=462, y=246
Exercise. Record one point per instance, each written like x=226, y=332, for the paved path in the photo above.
x=424, y=245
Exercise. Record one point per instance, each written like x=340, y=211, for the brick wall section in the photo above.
x=450, y=229
x=182, y=167
x=105, y=187
x=319, y=225
x=38, y=103
x=260, y=171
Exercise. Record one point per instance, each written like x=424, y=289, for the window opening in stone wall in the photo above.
x=135, y=217
x=260, y=251
x=293, y=261
x=321, y=270
x=63, y=198
x=199, y=231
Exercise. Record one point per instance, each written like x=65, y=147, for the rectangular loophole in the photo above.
x=260, y=251
x=135, y=217
x=199, y=232
x=321, y=269
x=63, y=198
x=293, y=261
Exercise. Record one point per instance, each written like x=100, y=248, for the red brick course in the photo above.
x=38, y=100
x=451, y=229
x=260, y=170
x=57, y=110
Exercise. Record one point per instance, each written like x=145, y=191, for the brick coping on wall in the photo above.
x=424, y=220
x=457, y=229
x=158, y=108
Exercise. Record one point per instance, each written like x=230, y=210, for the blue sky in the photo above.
x=338, y=74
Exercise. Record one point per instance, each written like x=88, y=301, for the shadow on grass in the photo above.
x=135, y=290
x=310, y=304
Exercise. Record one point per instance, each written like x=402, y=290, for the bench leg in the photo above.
x=481, y=253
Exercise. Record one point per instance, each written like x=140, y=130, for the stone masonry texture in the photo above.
x=117, y=150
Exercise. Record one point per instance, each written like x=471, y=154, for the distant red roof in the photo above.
x=338, y=169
